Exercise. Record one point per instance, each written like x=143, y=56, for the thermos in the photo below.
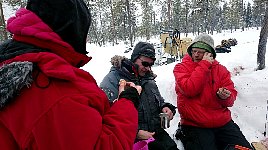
x=165, y=122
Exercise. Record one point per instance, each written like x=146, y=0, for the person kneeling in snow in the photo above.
x=205, y=91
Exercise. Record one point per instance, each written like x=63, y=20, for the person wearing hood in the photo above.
x=204, y=92
x=138, y=70
x=46, y=101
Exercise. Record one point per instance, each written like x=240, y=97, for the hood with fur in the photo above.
x=126, y=66
x=13, y=77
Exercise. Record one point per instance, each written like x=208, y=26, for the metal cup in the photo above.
x=165, y=122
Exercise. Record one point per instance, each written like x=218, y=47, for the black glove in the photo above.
x=132, y=94
x=171, y=107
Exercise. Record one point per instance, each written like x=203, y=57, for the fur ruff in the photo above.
x=13, y=77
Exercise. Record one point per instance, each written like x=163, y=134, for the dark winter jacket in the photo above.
x=151, y=101
x=196, y=86
x=47, y=103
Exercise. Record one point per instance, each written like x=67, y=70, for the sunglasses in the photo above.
x=146, y=64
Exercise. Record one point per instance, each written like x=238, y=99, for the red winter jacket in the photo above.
x=62, y=108
x=196, y=87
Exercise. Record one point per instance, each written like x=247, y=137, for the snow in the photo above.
x=250, y=108
x=8, y=10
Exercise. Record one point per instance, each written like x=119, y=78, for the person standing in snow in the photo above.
x=205, y=91
x=138, y=70
x=46, y=101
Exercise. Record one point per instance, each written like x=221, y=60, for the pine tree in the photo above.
x=248, y=16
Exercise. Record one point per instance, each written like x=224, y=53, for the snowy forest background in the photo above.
x=128, y=20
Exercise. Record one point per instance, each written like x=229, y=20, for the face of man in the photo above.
x=145, y=64
x=197, y=54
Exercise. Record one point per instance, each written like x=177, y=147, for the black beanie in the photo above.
x=70, y=19
x=143, y=49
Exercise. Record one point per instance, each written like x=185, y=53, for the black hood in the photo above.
x=128, y=69
x=70, y=19
x=10, y=49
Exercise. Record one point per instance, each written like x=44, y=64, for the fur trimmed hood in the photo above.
x=125, y=65
x=13, y=77
x=116, y=60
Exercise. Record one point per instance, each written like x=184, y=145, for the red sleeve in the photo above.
x=74, y=125
x=6, y=139
x=228, y=84
x=120, y=126
x=190, y=81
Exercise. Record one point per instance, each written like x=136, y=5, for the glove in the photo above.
x=131, y=94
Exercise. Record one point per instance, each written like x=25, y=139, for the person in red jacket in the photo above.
x=204, y=92
x=46, y=101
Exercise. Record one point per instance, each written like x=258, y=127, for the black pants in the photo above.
x=194, y=138
x=162, y=141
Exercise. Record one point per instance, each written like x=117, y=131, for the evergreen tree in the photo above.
x=248, y=16
x=178, y=16
x=258, y=11
x=235, y=14
x=147, y=18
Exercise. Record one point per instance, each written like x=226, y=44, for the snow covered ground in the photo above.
x=250, y=109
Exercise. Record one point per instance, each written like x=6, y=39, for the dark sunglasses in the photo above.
x=146, y=64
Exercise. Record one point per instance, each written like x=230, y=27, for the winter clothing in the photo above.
x=132, y=94
x=66, y=26
x=144, y=49
x=163, y=141
x=202, y=45
x=46, y=102
x=121, y=69
x=203, y=138
x=196, y=87
x=203, y=41
x=205, y=117
x=151, y=102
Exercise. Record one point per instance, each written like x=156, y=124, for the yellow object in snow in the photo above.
x=173, y=44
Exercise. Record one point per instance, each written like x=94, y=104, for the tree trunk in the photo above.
x=3, y=32
x=130, y=29
x=147, y=31
x=169, y=13
x=263, y=42
x=113, y=23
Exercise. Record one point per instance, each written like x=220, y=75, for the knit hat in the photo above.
x=203, y=41
x=143, y=49
x=70, y=19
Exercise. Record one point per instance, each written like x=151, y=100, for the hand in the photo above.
x=144, y=135
x=208, y=57
x=129, y=91
x=223, y=93
x=123, y=85
x=169, y=112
